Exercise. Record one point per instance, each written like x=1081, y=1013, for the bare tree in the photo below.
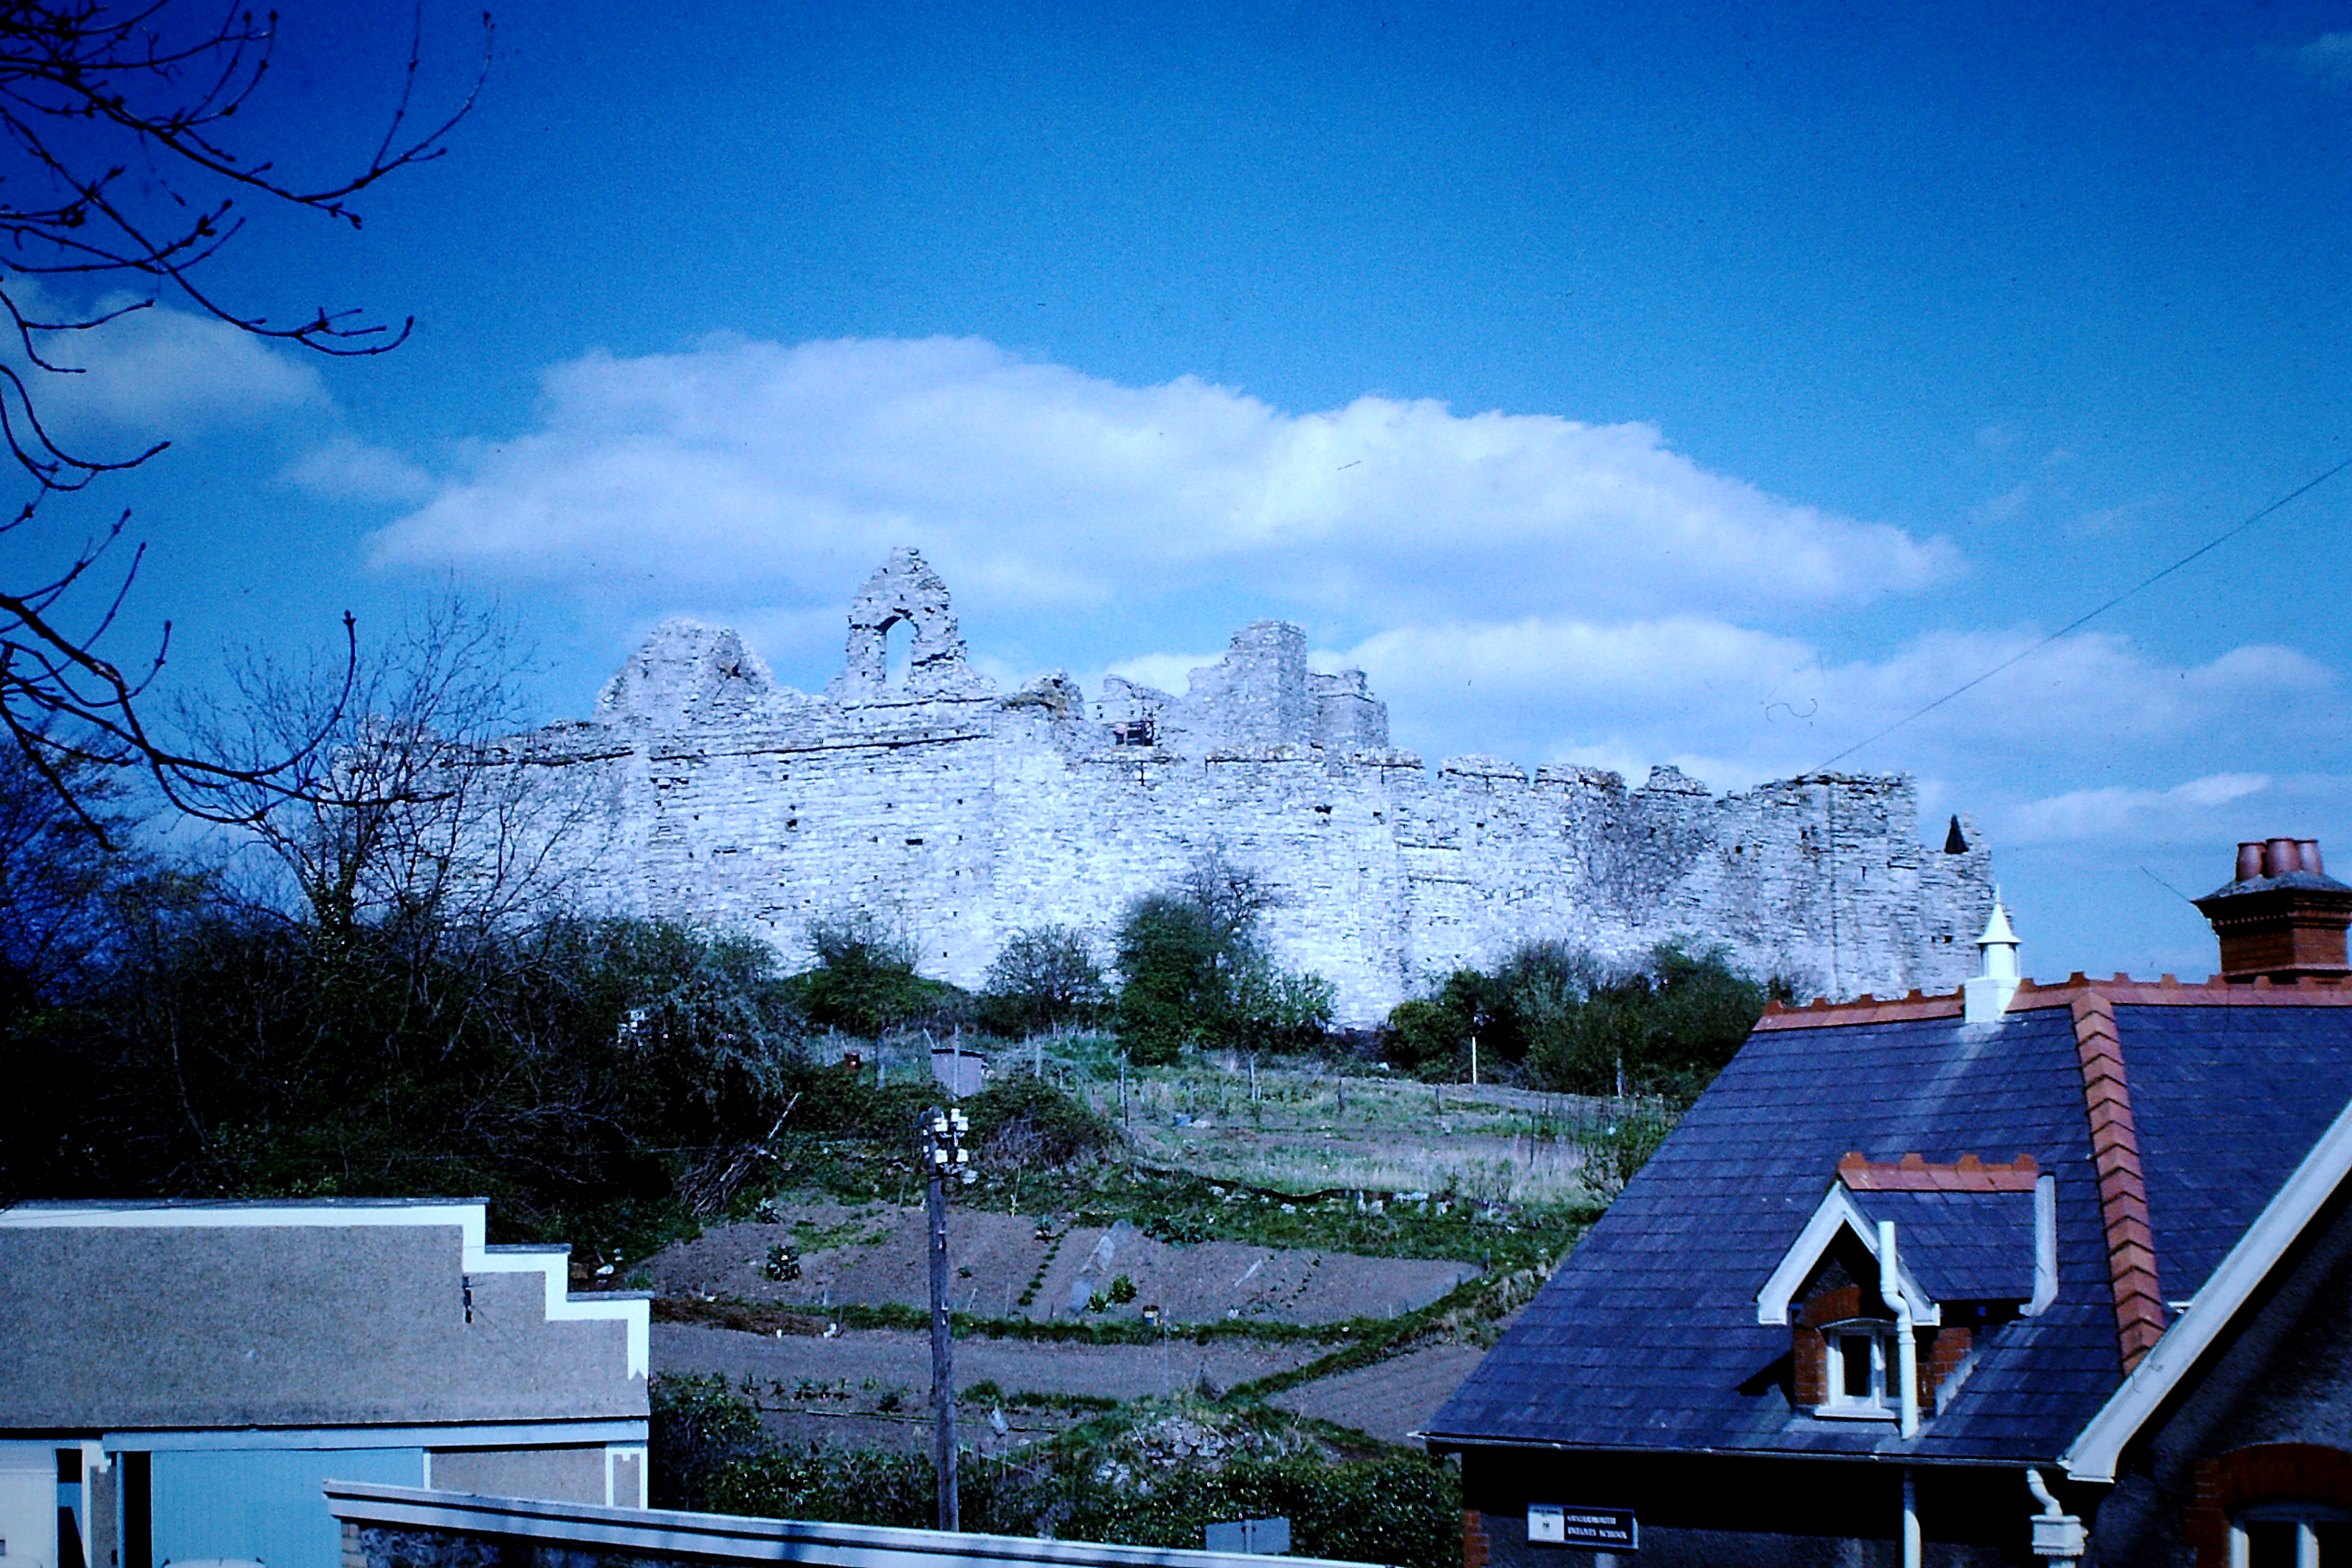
x=1231, y=899
x=117, y=161
x=53, y=881
x=406, y=805
x=1043, y=977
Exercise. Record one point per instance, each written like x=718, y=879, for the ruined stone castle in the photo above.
x=962, y=814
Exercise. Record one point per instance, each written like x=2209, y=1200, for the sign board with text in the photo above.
x=1602, y=1529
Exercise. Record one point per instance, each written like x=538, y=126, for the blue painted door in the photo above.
x=264, y=1505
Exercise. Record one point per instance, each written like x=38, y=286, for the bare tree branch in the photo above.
x=89, y=91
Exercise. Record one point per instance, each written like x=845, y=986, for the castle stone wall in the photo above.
x=705, y=790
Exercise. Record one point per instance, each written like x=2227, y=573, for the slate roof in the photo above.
x=1647, y=1337
x=1960, y=1247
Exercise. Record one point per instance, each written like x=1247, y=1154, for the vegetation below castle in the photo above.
x=616, y=1082
x=1558, y=1018
x=1151, y=1474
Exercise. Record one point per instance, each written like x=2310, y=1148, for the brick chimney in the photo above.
x=2282, y=915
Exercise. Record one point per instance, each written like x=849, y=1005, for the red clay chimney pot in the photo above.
x=2281, y=858
x=2308, y=849
x=2250, y=860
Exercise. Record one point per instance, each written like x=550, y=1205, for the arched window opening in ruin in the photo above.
x=898, y=654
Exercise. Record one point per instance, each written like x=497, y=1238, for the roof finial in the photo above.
x=1985, y=998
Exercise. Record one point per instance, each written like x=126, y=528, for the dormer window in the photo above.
x=1944, y=1253
x=1860, y=1370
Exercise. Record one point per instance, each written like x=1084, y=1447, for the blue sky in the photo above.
x=1630, y=385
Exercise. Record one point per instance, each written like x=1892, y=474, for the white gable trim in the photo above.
x=621, y=1429
x=470, y=1220
x=2094, y=1453
x=1836, y=1212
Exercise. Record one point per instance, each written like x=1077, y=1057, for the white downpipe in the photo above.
x=1911, y=1547
x=1907, y=1347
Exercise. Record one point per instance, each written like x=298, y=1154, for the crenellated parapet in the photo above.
x=705, y=789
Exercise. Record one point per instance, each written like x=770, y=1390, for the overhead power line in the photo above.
x=2207, y=548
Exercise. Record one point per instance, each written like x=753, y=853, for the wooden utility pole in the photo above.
x=945, y=1159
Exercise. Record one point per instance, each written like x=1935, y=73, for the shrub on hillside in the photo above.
x=1193, y=972
x=1563, y=1020
x=1045, y=978
x=865, y=983
x=1279, y=1009
x=1172, y=989
x=1024, y=1121
x=598, y=1079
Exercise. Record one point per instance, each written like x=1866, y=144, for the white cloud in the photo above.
x=2116, y=812
x=1736, y=705
x=2327, y=57
x=782, y=472
x=348, y=470
x=1514, y=584
x=159, y=371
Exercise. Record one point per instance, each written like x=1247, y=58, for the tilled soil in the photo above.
x=1390, y=1399
x=872, y=1386
x=873, y=1255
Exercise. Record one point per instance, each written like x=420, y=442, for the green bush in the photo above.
x=1398, y=1508
x=1563, y=1020
x=1618, y=1149
x=1172, y=961
x=1193, y=973
x=1404, y=1509
x=865, y=983
x=1278, y=1009
x=700, y=1426
x=1024, y=1121
x=847, y=1486
x=602, y=1082
x=876, y=1486
x=1665, y=1029
x=1045, y=978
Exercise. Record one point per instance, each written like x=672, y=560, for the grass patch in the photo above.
x=1181, y=1207
x=759, y=1318
x=985, y=1392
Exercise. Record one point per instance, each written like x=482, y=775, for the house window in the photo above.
x=2291, y=1535
x=1862, y=1370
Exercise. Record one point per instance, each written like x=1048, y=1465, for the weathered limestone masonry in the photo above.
x=965, y=815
